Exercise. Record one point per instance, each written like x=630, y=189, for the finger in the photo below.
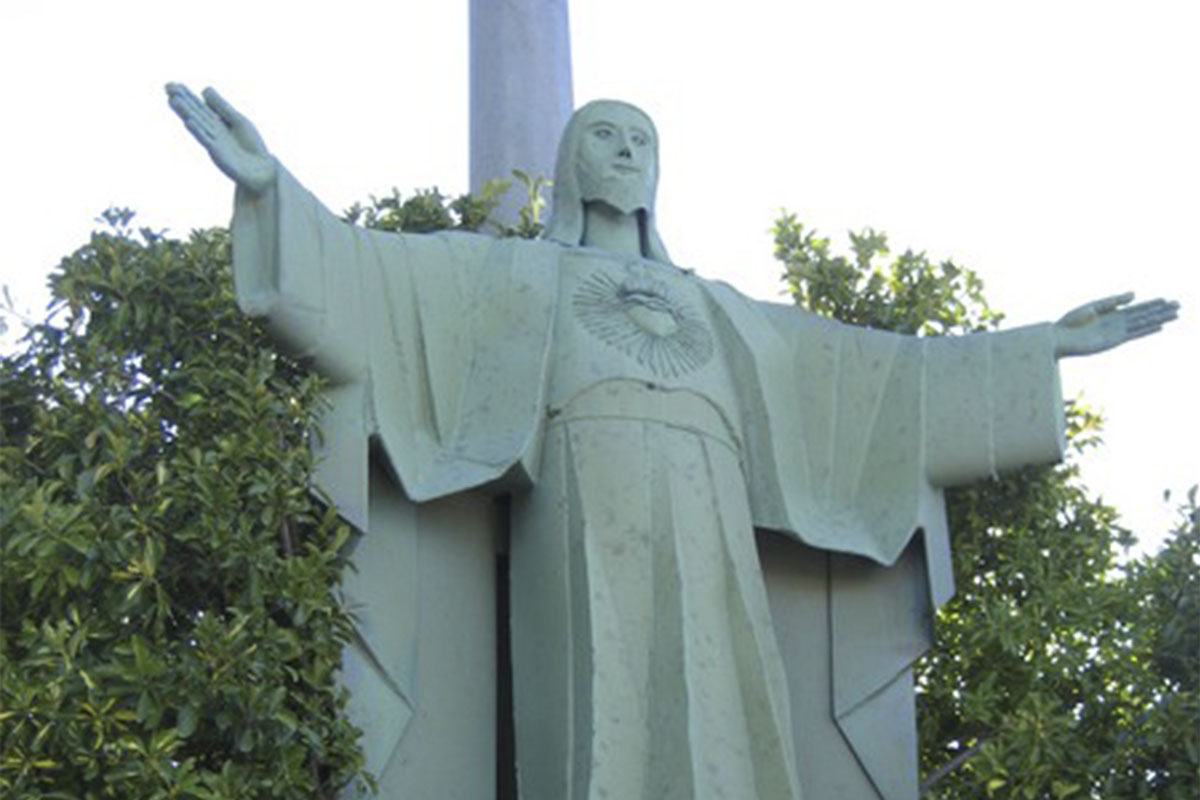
x=180, y=103
x=188, y=106
x=199, y=119
x=1159, y=315
x=1158, y=301
x=203, y=133
x=1108, y=304
x=1139, y=333
x=1152, y=308
x=179, y=93
x=181, y=106
x=202, y=122
x=243, y=129
x=1154, y=320
x=1165, y=305
x=223, y=107
x=175, y=88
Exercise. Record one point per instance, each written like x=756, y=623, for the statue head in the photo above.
x=608, y=154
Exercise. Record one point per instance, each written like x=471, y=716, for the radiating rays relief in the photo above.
x=643, y=318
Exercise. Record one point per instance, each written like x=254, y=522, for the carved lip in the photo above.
x=625, y=168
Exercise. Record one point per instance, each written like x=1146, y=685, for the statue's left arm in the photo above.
x=992, y=399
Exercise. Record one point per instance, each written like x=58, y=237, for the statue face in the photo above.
x=616, y=159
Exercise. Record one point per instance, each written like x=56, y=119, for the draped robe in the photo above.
x=641, y=619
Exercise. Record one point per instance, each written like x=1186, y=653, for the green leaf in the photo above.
x=1064, y=789
x=186, y=723
x=146, y=708
x=141, y=657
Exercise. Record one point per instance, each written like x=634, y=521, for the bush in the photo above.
x=168, y=625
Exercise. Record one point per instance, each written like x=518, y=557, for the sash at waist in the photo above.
x=648, y=402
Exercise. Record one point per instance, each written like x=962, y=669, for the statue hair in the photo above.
x=566, y=216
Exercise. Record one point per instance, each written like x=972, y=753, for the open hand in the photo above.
x=1103, y=324
x=230, y=138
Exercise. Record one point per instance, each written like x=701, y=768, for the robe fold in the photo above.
x=440, y=348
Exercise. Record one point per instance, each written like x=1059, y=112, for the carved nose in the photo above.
x=624, y=152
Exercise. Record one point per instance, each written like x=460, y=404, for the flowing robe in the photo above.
x=647, y=423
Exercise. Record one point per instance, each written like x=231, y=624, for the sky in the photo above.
x=1052, y=146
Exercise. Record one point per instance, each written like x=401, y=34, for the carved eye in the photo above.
x=639, y=139
x=603, y=133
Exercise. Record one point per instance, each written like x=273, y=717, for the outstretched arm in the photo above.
x=230, y=138
x=1104, y=324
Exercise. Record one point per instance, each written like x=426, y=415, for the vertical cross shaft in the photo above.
x=521, y=93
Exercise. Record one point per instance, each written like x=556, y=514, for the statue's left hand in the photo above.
x=1104, y=324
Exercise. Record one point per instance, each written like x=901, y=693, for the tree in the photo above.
x=1059, y=669
x=169, y=618
x=168, y=628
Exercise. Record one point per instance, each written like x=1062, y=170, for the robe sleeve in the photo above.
x=297, y=270
x=436, y=345
x=992, y=401
x=851, y=433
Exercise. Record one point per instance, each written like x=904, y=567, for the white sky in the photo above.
x=1050, y=145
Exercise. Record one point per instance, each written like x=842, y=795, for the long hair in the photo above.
x=566, y=216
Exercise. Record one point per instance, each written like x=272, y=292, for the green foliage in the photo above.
x=168, y=627
x=1047, y=665
x=170, y=624
x=428, y=210
x=1059, y=670
x=530, y=225
x=909, y=295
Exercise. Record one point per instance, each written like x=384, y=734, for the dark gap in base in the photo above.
x=506, y=764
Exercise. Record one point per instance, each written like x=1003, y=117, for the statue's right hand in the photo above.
x=230, y=138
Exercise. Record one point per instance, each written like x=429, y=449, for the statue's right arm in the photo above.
x=281, y=265
x=324, y=288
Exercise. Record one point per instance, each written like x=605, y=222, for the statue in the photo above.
x=644, y=424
